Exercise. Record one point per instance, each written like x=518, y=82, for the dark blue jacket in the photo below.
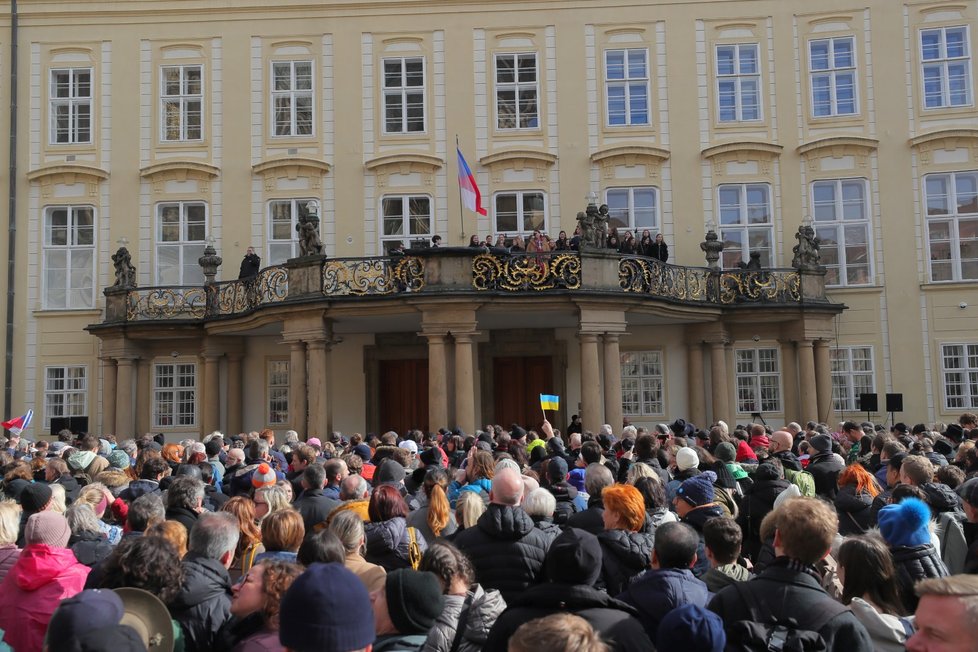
x=657, y=592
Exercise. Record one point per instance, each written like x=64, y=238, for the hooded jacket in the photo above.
x=658, y=592
x=8, y=557
x=591, y=519
x=757, y=504
x=941, y=497
x=565, y=494
x=912, y=564
x=855, y=511
x=484, y=609
x=139, y=488
x=624, y=555
x=90, y=548
x=88, y=462
x=389, y=543
x=203, y=605
x=825, y=469
x=506, y=549
x=887, y=632
x=37, y=582
x=698, y=518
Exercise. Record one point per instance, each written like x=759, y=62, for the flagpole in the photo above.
x=461, y=212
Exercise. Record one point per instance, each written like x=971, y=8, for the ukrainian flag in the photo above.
x=549, y=402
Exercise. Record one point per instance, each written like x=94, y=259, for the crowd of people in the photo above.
x=850, y=538
x=623, y=241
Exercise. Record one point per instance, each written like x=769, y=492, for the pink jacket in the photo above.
x=41, y=578
x=8, y=557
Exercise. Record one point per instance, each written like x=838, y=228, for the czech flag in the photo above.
x=19, y=424
x=471, y=196
x=549, y=402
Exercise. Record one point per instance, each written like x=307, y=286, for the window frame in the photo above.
x=292, y=93
x=517, y=87
x=270, y=390
x=64, y=393
x=403, y=91
x=406, y=220
x=173, y=390
x=627, y=82
x=847, y=376
x=943, y=61
x=954, y=219
x=297, y=206
x=631, y=224
x=182, y=100
x=969, y=401
x=840, y=224
x=520, y=212
x=832, y=72
x=646, y=408
x=744, y=226
x=70, y=249
x=183, y=244
x=756, y=377
x=72, y=102
x=738, y=78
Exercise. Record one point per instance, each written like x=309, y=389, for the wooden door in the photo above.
x=403, y=395
x=517, y=384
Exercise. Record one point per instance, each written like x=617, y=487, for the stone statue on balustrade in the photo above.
x=807, y=256
x=309, y=242
x=125, y=272
x=594, y=227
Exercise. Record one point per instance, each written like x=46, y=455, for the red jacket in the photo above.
x=41, y=578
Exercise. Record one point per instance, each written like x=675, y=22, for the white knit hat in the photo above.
x=686, y=458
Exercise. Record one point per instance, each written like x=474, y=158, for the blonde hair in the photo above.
x=275, y=497
x=640, y=470
x=172, y=531
x=59, y=498
x=9, y=522
x=559, y=631
x=468, y=509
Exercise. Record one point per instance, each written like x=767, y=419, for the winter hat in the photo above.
x=905, y=524
x=737, y=471
x=725, y=452
x=343, y=619
x=744, y=452
x=691, y=627
x=88, y=610
x=725, y=477
x=678, y=427
x=761, y=441
x=574, y=557
x=409, y=445
x=557, y=469
x=943, y=447
x=119, y=459
x=954, y=432
x=314, y=441
x=34, y=497
x=433, y=456
x=821, y=443
x=362, y=451
x=486, y=437
x=148, y=616
x=686, y=458
x=414, y=600
x=766, y=473
x=537, y=453
x=555, y=446
x=48, y=528
x=516, y=432
x=969, y=491
x=698, y=490
x=263, y=476
x=791, y=492
x=389, y=472
x=104, y=447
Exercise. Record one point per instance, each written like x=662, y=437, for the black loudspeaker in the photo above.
x=869, y=403
x=894, y=402
x=77, y=425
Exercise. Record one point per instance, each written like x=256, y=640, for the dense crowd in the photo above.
x=850, y=539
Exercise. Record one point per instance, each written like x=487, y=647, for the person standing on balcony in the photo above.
x=659, y=249
x=250, y=265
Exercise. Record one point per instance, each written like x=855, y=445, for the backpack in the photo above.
x=804, y=480
x=764, y=632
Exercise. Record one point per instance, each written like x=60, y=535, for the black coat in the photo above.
x=825, y=469
x=389, y=543
x=855, y=511
x=90, y=548
x=591, y=519
x=698, y=518
x=912, y=564
x=182, y=515
x=757, y=504
x=941, y=497
x=250, y=266
x=203, y=605
x=787, y=594
x=565, y=493
x=624, y=555
x=506, y=549
x=314, y=507
x=614, y=620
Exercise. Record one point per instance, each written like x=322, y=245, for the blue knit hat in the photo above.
x=905, y=524
x=691, y=627
x=343, y=619
x=698, y=490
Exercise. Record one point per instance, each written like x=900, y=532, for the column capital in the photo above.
x=437, y=337
x=212, y=355
x=589, y=337
x=611, y=338
x=465, y=336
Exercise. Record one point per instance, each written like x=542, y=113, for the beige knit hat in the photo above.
x=47, y=527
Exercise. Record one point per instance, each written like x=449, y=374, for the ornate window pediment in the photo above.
x=947, y=140
x=518, y=160
x=68, y=174
x=292, y=167
x=858, y=148
x=608, y=158
x=742, y=151
x=404, y=163
x=179, y=170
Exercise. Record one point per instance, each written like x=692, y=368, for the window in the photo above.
x=642, y=383
x=405, y=217
x=832, y=63
x=758, y=374
x=181, y=98
x=69, y=257
x=71, y=106
x=174, y=394
x=842, y=224
x=952, y=225
x=404, y=95
x=292, y=98
x=946, y=67
x=627, y=85
x=278, y=392
x=516, y=91
x=283, y=239
x=180, y=235
x=745, y=223
x=519, y=212
x=738, y=82
x=632, y=208
x=65, y=393
x=852, y=375
x=960, y=368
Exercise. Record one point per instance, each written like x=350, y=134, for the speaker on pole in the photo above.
x=894, y=402
x=869, y=402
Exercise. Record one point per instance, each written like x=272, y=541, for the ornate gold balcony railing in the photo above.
x=526, y=272
x=372, y=276
x=725, y=287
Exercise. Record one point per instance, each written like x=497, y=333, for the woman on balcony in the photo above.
x=645, y=244
x=518, y=245
x=660, y=250
x=628, y=245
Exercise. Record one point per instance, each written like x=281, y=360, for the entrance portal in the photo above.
x=404, y=395
x=517, y=384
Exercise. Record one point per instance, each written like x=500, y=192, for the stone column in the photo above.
x=612, y=382
x=108, y=395
x=125, y=425
x=696, y=383
x=234, y=402
x=318, y=387
x=789, y=375
x=591, y=395
x=823, y=382
x=720, y=388
x=212, y=392
x=464, y=382
x=297, y=387
x=437, y=382
x=806, y=381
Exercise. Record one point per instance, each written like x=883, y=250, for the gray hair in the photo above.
x=606, y=429
x=81, y=518
x=291, y=437
x=276, y=498
x=214, y=535
x=357, y=483
x=186, y=492
x=629, y=432
x=9, y=521
x=129, y=446
x=348, y=528
x=596, y=477
x=216, y=433
x=540, y=502
x=145, y=511
x=506, y=463
x=235, y=456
